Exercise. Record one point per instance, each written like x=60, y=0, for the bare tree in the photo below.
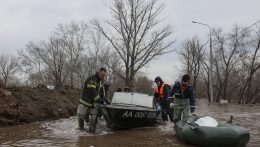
x=135, y=34
x=100, y=53
x=219, y=76
x=32, y=63
x=74, y=37
x=143, y=84
x=55, y=57
x=97, y=55
x=205, y=75
x=192, y=55
x=83, y=69
x=8, y=67
x=229, y=54
x=111, y=61
x=252, y=65
x=49, y=58
x=54, y=61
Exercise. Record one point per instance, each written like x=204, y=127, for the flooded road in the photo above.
x=64, y=132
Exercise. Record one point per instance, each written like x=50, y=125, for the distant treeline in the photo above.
x=127, y=42
x=123, y=44
x=236, y=64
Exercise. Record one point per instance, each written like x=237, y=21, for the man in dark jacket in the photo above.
x=92, y=96
x=184, y=99
x=161, y=95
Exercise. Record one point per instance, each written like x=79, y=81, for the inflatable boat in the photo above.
x=207, y=132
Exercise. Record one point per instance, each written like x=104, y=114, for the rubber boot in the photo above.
x=81, y=123
x=87, y=119
x=93, y=121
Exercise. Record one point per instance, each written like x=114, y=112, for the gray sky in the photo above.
x=25, y=20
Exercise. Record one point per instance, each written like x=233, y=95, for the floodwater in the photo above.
x=64, y=132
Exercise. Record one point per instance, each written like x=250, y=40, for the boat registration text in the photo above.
x=139, y=114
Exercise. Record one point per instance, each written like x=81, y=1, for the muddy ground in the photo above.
x=19, y=105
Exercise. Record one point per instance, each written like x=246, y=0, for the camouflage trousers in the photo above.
x=89, y=115
x=181, y=110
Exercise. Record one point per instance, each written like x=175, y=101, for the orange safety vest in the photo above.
x=160, y=91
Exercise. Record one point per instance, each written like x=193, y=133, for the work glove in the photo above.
x=99, y=101
x=98, y=105
x=158, y=109
x=171, y=105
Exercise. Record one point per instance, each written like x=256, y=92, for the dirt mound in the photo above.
x=20, y=105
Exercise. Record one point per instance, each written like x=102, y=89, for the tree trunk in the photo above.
x=248, y=95
x=71, y=80
x=225, y=91
x=225, y=85
x=131, y=82
x=127, y=80
x=194, y=85
x=5, y=81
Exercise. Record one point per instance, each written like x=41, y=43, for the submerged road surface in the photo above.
x=64, y=132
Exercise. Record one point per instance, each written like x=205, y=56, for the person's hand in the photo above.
x=158, y=109
x=171, y=105
x=174, y=96
x=99, y=101
x=98, y=105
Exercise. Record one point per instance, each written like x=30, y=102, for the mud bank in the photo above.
x=19, y=105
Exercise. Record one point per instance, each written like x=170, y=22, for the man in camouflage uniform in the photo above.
x=92, y=96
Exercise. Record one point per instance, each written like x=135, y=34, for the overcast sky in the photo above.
x=25, y=20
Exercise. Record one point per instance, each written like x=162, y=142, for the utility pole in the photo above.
x=210, y=61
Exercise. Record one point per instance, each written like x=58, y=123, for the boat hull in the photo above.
x=128, y=116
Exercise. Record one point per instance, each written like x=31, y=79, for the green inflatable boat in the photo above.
x=220, y=135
